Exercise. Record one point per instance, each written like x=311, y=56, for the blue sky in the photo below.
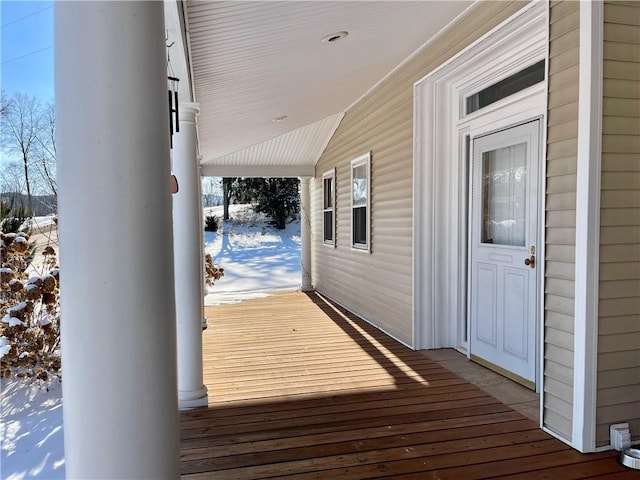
x=26, y=48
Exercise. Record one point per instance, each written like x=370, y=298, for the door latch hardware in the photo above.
x=530, y=262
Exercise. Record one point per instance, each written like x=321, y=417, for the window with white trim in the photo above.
x=361, y=201
x=328, y=206
x=515, y=83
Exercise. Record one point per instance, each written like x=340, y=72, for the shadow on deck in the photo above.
x=301, y=389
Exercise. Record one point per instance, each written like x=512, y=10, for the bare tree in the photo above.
x=21, y=121
x=11, y=180
x=3, y=102
x=46, y=150
x=210, y=190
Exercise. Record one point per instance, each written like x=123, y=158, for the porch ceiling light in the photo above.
x=334, y=37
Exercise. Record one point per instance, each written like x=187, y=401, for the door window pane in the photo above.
x=504, y=198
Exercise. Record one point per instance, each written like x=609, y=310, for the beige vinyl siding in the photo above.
x=560, y=232
x=618, y=382
x=378, y=285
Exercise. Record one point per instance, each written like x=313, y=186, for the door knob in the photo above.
x=531, y=261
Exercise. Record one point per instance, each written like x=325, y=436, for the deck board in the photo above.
x=301, y=389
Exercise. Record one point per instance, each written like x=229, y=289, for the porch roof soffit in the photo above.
x=255, y=61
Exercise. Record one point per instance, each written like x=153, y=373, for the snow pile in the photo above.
x=43, y=224
x=5, y=346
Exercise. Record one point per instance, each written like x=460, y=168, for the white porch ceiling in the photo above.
x=253, y=61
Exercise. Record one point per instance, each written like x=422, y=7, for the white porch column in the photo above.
x=305, y=234
x=116, y=244
x=203, y=285
x=187, y=231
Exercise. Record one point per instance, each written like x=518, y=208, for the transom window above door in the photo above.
x=525, y=78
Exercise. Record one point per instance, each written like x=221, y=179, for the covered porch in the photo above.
x=303, y=389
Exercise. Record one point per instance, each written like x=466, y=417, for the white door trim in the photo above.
x=587, y=226
x=515, y=44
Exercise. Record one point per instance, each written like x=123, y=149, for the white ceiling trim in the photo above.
x=257, y=171
x=299, y=148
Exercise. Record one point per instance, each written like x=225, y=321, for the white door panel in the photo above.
x=516, y=313
x=487, y=329
x=504, y=232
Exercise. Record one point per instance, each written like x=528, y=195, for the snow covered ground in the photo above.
x=257, y=259
x=31, y=431
x=44, y=232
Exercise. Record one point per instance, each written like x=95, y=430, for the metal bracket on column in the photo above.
x=173, y=107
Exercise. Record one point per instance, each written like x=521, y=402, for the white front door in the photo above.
x=504, y=263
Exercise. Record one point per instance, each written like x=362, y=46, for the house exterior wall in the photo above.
x=618, y=377
x=560, y=228
x=378, y=285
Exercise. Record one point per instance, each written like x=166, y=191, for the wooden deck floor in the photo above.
x=300, y=390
